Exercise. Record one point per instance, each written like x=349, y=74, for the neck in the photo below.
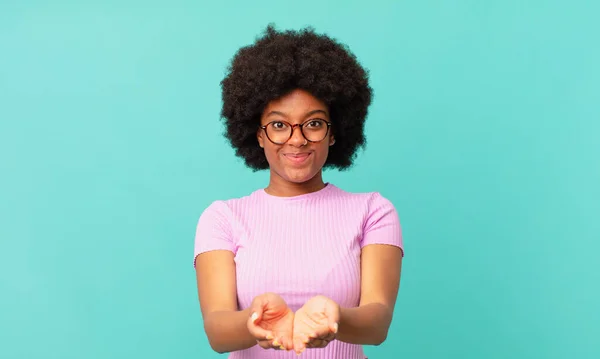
x=282, y=188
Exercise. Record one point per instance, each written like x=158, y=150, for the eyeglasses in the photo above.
x=279, y=132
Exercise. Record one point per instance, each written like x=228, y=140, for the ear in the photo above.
x=331, y=140
x=259, y=137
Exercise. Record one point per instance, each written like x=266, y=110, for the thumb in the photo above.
x=333, y=325
x=256, y=315
x=256, y=312
x=332, y=311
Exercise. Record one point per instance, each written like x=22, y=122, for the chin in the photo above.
x=299, y=175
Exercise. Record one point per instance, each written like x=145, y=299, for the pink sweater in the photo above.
x=299, y=247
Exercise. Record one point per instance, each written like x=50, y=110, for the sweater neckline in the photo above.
x=328, y=187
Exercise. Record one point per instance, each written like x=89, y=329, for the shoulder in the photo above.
x=226, y=207
x=380, y=220
x=218, y=225
x=216, y=210
x=369, y=201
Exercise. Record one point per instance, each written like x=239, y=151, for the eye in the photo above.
x=278, y=125
x=315, y=124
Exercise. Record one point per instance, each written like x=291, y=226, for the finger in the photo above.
x=257, y=309
x=333, y=326
x=287, y=343
x=256, y=330
x=269, y=344
x=300, y=341
x=259, y=333
x=320, y=333
x=332, y=313
x=278, y=343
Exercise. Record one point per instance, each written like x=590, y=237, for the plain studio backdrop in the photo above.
x=484, y=132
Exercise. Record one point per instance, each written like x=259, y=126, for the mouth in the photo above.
x=297, y=158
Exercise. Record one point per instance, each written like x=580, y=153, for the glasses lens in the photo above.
x=315, y=130
x=279, y=132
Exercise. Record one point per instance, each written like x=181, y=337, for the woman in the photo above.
x=301, y=265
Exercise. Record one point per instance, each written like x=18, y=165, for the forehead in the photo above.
x=295, y=103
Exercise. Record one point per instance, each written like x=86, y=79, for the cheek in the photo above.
x=321, y=153
x=271, y=153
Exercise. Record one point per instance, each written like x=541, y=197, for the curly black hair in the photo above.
x=280, y=62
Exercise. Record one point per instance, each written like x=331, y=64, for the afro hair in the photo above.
x=280, y=62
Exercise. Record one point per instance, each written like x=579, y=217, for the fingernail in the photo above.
x=269, y=337
x=254, y=316
x=335, y=327
x=276, y=343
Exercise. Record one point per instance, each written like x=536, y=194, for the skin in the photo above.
x=269, y=322
x=287, y=178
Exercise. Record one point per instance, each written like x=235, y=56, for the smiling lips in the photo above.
x=297, y=157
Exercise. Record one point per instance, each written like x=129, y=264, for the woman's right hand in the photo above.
x=271, y=322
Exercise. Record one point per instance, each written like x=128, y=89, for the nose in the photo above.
x=297, y=138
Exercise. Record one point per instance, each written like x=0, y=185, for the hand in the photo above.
x=316, y=323
x=271, y=322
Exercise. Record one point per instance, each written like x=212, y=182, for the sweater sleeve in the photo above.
x=382, y=224
x=213, y=231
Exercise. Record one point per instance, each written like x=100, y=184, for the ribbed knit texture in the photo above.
x=299, y=247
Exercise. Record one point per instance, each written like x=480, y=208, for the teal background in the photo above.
x=483, y=132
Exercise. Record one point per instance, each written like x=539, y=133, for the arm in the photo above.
x=225, y=326
x=381, y=263
x=380, y=280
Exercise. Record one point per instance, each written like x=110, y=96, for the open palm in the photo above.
x=315, y=324
x=273, y=322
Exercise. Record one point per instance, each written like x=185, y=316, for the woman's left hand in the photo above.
x=316, y=323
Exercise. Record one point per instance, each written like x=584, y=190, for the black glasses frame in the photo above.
x=300, y=125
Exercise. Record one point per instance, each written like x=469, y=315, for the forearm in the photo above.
x=227, y=331
x=367, y=324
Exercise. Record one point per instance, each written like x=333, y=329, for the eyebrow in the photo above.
x=307, y=115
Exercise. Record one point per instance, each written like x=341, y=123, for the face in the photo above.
x=296, y=160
